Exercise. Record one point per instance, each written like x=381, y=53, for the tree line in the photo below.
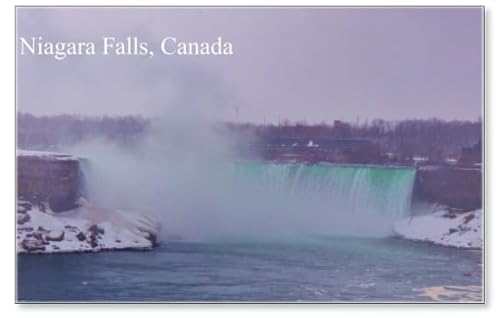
x=432, y=138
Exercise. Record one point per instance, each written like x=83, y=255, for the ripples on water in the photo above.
x=316, y=269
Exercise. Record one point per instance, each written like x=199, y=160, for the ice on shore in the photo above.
x=463, y=230
x=84, y=229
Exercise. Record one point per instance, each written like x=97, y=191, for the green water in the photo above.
x=255, y=199
x=385, y=191
x=268, y=232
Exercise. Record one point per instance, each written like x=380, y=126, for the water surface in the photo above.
x=313, y=269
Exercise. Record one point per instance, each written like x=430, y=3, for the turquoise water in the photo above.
x=382, y=190
x=261, y=199
x=255, y=199
x=312, y=269
x=266, y=232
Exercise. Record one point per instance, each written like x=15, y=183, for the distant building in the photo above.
x=451, y=161
x=418, y=160
x=342, y=129
x=471, y=155
x=319, y=150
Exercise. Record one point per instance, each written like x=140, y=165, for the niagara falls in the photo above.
x=276, y=155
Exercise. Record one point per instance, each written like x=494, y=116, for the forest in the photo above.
x=435, y=139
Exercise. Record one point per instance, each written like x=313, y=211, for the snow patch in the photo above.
x=444, y=228
x=84, y=229
x=44, y=154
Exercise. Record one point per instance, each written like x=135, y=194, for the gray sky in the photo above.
x=296, y=63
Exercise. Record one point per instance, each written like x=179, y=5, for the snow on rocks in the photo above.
x=463, y=230
x=84, y=229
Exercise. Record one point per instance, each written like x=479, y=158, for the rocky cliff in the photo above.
x=455, y=187
x=48, y=177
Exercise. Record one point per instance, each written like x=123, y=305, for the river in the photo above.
x=311, y=269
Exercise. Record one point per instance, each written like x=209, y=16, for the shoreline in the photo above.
x=88, y=229
x=444, y=228
x=84, y=229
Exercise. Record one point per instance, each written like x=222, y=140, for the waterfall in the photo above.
x=324, y=198
x=258, y=198
x=354, y=189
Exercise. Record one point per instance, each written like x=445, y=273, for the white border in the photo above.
x=8, y=178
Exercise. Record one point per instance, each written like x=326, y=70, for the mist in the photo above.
x=187, y=172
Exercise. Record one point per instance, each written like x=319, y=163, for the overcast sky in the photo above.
x=300, y=64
